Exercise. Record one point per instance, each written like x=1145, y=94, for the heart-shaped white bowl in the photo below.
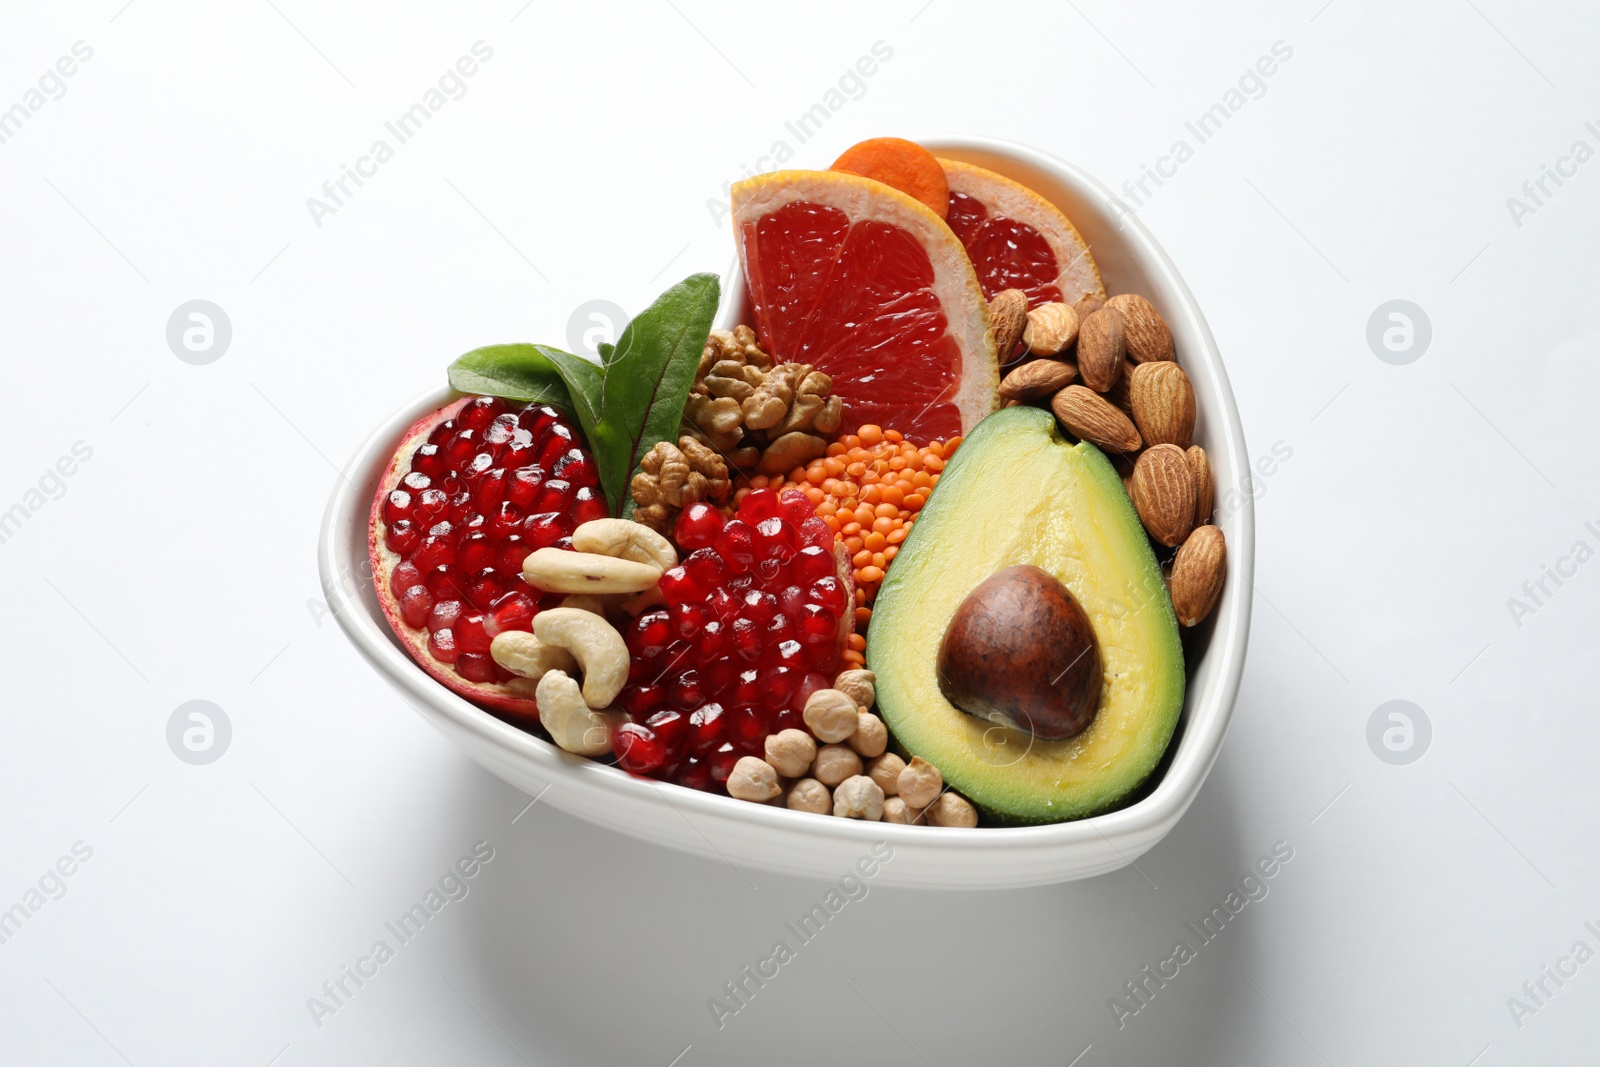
x=724, y=830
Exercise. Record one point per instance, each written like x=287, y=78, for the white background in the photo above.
x=178, y=564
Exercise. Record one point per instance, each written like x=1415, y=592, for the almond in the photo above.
x=1090, y=417
x=1008, y=314
x=1163, y=494
x=1163, y=403
x=1149, y=337
x=1197, y=572
x=1088, y=305
x=1102, y=342
x=1051, y=329
x=1040, y=377
x=1200, y=468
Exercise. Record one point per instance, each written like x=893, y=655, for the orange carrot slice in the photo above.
x=900, y=164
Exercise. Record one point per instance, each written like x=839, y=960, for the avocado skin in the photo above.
x=1017, y=492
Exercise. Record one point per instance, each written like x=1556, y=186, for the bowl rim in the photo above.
x=1196, y=749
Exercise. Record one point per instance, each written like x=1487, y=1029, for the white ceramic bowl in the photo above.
x=749, y=835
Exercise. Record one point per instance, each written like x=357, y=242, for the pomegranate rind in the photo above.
x=514, y=698
x=1079, y=275
x=955, y=281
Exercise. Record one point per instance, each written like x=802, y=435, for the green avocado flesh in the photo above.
x=1017, y=492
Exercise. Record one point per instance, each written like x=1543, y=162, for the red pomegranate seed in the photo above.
x=736, y=545
x=426, y=460
x=501, y=430
x=828, y=592
x=490, y=491
x=817, y=626
x=538, y=419
x=484, y=590
x=444, y=583
x=429, y=507
x=557, y=441
x=475, y=666
x=781, y=630
x=679, y=588
x=442, y=643
x=688, y=691
x=747, y=690
x=642, y=701
x=745, y=728
x=759, y=504
x=812, y=564
x=469, y=633
x=650, y=634
x=775, y=539
x=554, y=495
x=523, y=484
x=434, y=552
x=404, y=576
x=476, y=551
x=695, y=774
x=509, y=555
x=588, y=505
x=671, y=729
x=723, y=757
x=444, y=614
x=545, y=529
x=814, y=533
x=698, y=527
x=707, y=724
x=712, y=640
x=443, y=432
x=481, y=411
x=638, y=749
x=513, y=611
x=402, y=537
x=415, y=603
x=746, y=638
x=794, y=506
x=759, y=606
x=396, y=506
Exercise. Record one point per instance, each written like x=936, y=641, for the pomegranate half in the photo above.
x=471, y=490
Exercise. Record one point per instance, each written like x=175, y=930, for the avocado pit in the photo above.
x=1020, y=652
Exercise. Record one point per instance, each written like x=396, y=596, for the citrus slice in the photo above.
x=870, y=287
x=1017, y=239
x=904, y=164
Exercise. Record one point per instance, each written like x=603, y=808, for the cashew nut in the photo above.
x=625, y=540
x=556, y=570
x=599, y=649
x=572, y=724
x=523, y=654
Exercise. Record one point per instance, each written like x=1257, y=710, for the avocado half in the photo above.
x=1018, y=492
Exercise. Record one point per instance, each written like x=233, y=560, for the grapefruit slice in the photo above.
x=872, y=288
x=1017, y=239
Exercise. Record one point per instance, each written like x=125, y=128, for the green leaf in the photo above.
x=647, y=381
x=585, y=384
x=515, y=372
